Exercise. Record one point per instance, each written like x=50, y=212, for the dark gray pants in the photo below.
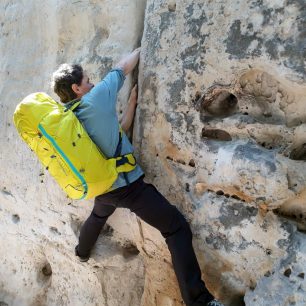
x=148, y=204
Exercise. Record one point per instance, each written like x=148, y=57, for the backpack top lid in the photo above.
x=32, y=109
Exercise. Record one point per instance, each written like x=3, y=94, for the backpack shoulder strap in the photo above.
x=72, y=105
x=124, y=163
x=119, y=146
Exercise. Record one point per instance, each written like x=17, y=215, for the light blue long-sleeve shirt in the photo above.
x=97, y=113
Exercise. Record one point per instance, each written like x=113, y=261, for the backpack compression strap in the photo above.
x=125, y=163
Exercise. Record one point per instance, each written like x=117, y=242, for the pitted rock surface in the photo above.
x=222, y=123
x=220, y=130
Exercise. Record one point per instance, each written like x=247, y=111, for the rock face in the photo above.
x=39, y=225
x=220, y=130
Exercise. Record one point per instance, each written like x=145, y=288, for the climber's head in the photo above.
x=70, y=82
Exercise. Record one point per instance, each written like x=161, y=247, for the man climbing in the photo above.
x=97, y=112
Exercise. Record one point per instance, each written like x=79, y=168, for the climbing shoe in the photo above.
x=81, y=258
x=214, y=303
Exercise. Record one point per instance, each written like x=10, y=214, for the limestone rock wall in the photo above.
x=39, y=225
x=220, y=130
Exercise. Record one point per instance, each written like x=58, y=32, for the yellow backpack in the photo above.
x=61, y=143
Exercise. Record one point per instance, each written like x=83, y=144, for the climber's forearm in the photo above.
x=128, y=63
x=128, y=116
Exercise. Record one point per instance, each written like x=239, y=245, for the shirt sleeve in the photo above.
x=105, y=92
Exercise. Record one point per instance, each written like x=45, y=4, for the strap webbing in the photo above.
x=124, y=160
x=72, y=104
x=119, y=146
x=118, y=153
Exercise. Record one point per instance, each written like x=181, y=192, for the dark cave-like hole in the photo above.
x=191, y=163
x=216, y=134
x=268, y=145
x=287, y=272
x=220, y=192
x=237, y=300
x=180, y=161
x=298, y=153
x=301, y=275
x=221, y=104
x=46, y=270
x=130, y=250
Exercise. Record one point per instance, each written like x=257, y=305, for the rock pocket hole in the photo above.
x=16, y=218
x=191, y=163
x=129, y=251
x=216, y=134
x=299, y=153
x=107, y=230
x=180, y=161
x=266, y=145
x=47, y=270
x=268, y=274
x=287, y=272
x=238, y=300
x=54, y=230
x=221, y=104
x=301, y=275
x=44, y=273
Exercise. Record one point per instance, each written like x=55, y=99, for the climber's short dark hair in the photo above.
x=63, y=78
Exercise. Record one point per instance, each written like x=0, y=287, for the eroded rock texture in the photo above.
x=39, y=225
x=220, y=130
